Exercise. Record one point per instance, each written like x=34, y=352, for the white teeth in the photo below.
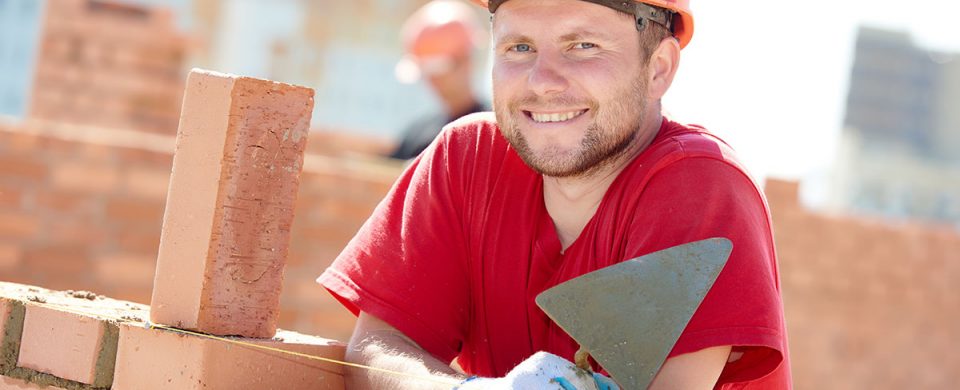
x=556, y=117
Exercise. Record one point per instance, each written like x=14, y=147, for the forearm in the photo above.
x=391, y=350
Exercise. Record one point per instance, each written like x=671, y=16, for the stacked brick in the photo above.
x=82, y=207
x=46, y=342
x=109, y=63
x=80, y=340
x=223, y=248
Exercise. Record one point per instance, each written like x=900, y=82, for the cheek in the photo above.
x=507, y=78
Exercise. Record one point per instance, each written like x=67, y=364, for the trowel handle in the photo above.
x=582, y=359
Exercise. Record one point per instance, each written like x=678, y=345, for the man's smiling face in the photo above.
x=569, y=83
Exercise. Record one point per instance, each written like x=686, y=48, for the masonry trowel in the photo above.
x=629, y=315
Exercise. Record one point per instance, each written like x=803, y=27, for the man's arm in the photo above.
x=375, y=343
x=695, y=370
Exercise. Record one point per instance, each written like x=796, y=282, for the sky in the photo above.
x=771, y=77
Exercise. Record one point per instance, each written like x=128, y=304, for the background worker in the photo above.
x=578, y=170
x=439, y=39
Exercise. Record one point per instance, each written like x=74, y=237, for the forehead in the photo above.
x=559, y=18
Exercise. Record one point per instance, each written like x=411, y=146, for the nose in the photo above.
x=546, y=76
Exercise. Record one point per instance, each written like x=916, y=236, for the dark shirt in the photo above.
x=419, y=134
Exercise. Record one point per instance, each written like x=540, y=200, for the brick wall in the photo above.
x=82, y=207
x=870, y=303
x=81, y=340
x=108, y=63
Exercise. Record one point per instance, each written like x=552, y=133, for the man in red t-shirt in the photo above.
x=577, y=171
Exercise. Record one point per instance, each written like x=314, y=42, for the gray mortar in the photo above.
x=10, y=343
x=43, y=379
x=107, y=357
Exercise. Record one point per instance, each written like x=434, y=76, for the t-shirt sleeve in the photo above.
x=405, y=265
x=702, y=197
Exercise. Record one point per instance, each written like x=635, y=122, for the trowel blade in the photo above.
x=629, y=315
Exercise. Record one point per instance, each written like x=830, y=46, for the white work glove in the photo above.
x=543, y=370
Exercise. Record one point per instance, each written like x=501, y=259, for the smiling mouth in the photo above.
x=553, y=117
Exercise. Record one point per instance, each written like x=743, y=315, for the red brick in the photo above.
x=147, y=157
x=288, y=318
x=94, y=152
x=862, y=296
x=10, y=197
x=56, y=259
x=126, y=269
x=68, y=345
x=78, y=232
x=139, y=240
x=57, y=329
x=161, y=359
x=305, y=291
x=227, y=220
x=22, y=168
x=101, y=41
x=10, y=256
x=135, y=210
x=52, y=146
x=65, y=203
x=18, y=225
x=21, y=144
x=85, y=177
x=147, y=183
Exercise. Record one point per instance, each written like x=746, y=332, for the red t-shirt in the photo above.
x=455, y=254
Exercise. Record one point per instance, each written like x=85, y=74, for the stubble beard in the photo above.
x=604, y=142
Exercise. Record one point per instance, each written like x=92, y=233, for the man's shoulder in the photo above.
x=679, y=141
x=691, y=139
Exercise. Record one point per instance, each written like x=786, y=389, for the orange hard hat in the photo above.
x=436, y=34
x=681, y=24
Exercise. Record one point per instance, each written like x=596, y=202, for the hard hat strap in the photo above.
x=643, y=13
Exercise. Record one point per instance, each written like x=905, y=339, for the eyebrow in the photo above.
x=586, y=35
x=569, y=37
x=510, y=38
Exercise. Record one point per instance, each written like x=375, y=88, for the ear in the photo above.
x=662, y=67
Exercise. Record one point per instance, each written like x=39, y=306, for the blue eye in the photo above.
x=584, y=45
x=522, y=47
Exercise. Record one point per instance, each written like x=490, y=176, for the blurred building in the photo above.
x=899, y=155
x=109, y=63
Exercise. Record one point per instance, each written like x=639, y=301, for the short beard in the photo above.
x=603, y=144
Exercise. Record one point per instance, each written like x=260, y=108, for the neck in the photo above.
x=572, y=201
